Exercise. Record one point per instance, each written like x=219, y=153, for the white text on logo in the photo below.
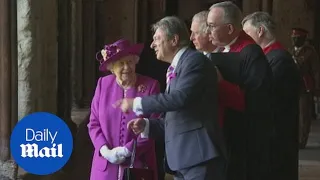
x=32, y=150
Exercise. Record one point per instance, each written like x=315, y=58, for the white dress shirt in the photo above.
x=137, y=106
x=206, y=53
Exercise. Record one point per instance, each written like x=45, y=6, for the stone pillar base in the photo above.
x=8, y=170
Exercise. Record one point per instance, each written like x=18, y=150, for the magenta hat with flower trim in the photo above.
x=117, y=50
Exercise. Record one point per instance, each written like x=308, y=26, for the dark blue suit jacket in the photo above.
x=190, y=126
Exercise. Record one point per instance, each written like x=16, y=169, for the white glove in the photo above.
x=122, y=152
x=111, y=155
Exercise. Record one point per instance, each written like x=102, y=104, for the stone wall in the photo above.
x=8, y=170
x=37, y=56
x=292, y=13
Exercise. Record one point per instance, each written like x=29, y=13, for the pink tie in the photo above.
x=169, y=74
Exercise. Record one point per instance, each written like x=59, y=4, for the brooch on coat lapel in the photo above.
x=142, y=88
x=172, y=76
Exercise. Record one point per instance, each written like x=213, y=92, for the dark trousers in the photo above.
x=160, y=151
x=214, y=169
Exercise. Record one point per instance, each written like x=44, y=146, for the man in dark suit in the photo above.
x=193, y=140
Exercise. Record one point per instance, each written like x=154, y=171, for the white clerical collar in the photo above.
x=216, y=50
x=177, y=57
x=271, y=42
x=227, y=47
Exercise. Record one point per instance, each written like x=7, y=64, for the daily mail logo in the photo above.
x=41, y=143
x=32, y=150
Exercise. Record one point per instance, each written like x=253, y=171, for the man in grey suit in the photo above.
x=193, y=140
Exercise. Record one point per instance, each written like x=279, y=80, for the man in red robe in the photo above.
x=286, y=82
x=248, y=134
x=200, y=38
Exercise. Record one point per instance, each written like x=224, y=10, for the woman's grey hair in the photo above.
x=172, y=26
x=258, y=19
x=232, y=13
x=201, y=17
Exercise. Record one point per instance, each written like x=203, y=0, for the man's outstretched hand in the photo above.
x=137, y=125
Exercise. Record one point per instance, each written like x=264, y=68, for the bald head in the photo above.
x=224, y=22
x=227, y=12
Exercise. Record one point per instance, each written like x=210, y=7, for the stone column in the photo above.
x=64, y=60
x=143, y=19
x=24, y=57
x=7, y=166
x=317, y=25
x=44, y=58
x=83, y=66
x=64, y=97
x=89, y=71
x=37, y=56
x=76, y=52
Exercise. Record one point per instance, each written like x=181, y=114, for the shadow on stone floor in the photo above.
x=309, y=158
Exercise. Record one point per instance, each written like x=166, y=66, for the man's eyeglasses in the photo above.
x=211, y=27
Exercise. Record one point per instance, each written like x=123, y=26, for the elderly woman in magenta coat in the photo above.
x=107, y=126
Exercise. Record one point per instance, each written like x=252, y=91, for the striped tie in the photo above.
x=169, y=74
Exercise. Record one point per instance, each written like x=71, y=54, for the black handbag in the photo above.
x=132, y=173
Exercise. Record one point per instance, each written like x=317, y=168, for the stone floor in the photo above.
x=309, y=158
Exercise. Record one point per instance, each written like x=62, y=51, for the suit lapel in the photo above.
x=177, y=69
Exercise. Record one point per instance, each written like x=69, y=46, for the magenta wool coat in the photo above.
x=108, y=125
